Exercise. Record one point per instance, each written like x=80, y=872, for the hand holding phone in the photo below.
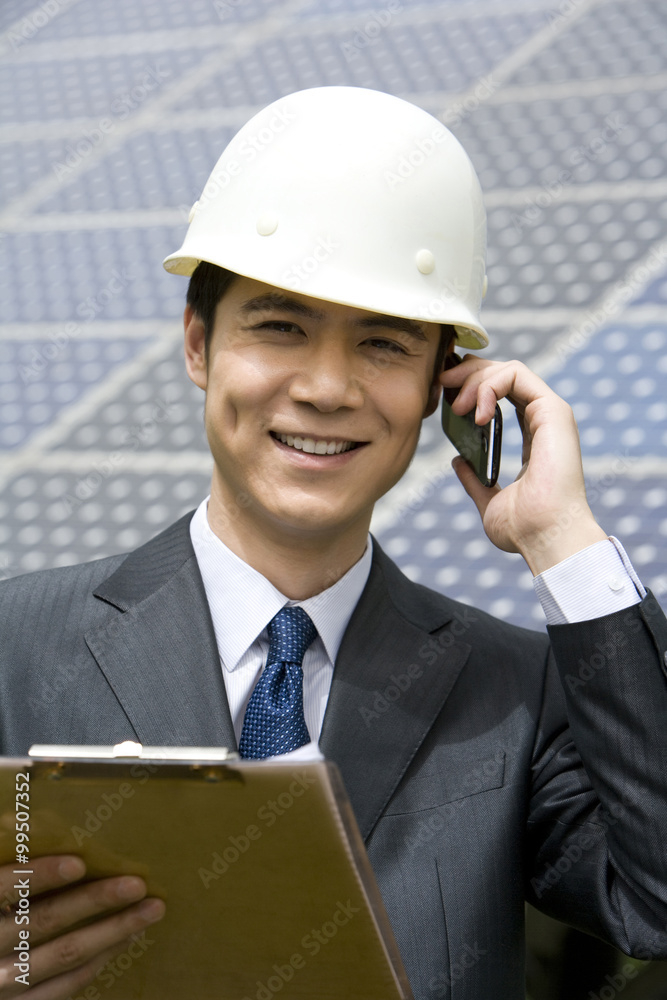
x=479, y=445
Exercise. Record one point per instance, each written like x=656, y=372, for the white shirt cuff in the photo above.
x=597, y=581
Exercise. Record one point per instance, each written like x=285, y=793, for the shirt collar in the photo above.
x=239, y=594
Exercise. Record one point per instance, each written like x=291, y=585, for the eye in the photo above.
x=390, y=346
x=280, y=325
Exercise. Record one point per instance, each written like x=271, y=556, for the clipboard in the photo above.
x=268, y=886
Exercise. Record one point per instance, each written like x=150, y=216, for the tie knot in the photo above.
x=291, y=632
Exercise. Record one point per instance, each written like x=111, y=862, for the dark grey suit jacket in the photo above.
x=449, y=728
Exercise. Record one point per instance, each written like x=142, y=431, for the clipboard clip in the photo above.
x=129, y=750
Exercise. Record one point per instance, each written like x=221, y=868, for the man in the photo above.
x=338, y=257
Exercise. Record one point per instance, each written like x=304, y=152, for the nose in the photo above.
x=329, y=378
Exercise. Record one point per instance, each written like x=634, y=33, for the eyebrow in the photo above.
x=374, y=320
x=408, y=326
x=278, y=301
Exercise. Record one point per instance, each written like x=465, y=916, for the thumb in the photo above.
x=479, y=494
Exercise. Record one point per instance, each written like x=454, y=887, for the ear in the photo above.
x=195, y=348
x=434, y=394
x=435, y=390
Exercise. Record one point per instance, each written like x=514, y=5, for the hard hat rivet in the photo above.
x=267, y=224
x=425, y=261
x=191, y=214
x=485, y=286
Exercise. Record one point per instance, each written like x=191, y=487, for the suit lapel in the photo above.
x=390, y=683
x=160, y=655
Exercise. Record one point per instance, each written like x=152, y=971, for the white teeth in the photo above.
x=313, y=447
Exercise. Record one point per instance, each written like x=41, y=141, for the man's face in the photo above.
x=313, y=409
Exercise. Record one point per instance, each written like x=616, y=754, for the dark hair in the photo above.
x=209, y=283
x=207, y=286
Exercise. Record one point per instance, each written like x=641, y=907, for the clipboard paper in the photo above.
x=268, y=887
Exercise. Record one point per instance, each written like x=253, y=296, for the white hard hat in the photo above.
x=352, y=196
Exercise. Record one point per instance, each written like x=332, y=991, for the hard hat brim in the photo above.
x=469, y=331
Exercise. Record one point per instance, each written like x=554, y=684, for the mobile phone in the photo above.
x=479, y=445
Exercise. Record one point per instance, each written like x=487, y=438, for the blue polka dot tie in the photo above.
x=274, y=722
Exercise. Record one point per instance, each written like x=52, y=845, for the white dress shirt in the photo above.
x=243, y=602
x=596, y=581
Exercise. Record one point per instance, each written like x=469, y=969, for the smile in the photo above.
x=315, y=447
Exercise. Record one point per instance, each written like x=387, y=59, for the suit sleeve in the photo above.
x=597, y=833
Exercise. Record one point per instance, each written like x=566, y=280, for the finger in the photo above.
x=481, y=495
x=457, y=373
x=487, y=383
x=453, y=377
x=57, y=913
x=43, y=875
x=65, y=986
x=471, y=383
x=47, y=873
x=526, y=440
x=484, y=387
x=83, y=947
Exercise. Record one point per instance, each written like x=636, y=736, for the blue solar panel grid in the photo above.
x=113, y=87
x=613, y=40
x=401, y=58
x=112, y=115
